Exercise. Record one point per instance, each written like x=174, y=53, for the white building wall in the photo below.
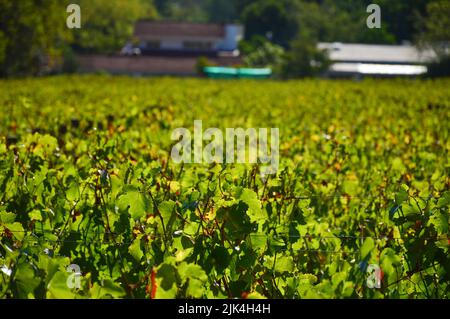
x=233, y=34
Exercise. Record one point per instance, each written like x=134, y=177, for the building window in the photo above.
x=197, y=45
x=151, y=45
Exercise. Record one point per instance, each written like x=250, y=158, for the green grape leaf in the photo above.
x=166, y=281
x=367, y=247
x=135, y=249
x=254, y=210
x=136, y=203
x=26, y=280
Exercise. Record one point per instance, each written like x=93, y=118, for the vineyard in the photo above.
x=86, y=179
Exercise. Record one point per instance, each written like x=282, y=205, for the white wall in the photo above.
x=233, y=34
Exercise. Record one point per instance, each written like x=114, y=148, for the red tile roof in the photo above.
x=145, y=28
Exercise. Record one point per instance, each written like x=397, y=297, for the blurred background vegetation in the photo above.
x=278, y=33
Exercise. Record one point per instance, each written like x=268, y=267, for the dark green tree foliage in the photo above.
x=31, y=35
x=161, y=6
x=303, y=60
x=221, y=11
x=436, y=35
x=201, y=10
x=108, y=24
x=337, y=21
x=325, y=22
x=270, y=18
x=436, y=28
x=248, y=46
x=333, y=20
x=400, y=17
x=183, y=10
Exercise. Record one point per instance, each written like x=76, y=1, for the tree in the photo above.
x=270, y=18
x=184, y=10
x=108, y=24
x=304, y=59
x=436, y=28
x=399, y=17
x=221, y=11
x=435, y=35
x=325, y=22
x=266, y=55
x=32, y=35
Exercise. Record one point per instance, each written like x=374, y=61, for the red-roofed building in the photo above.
x=170, y=48
x=184, y=38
